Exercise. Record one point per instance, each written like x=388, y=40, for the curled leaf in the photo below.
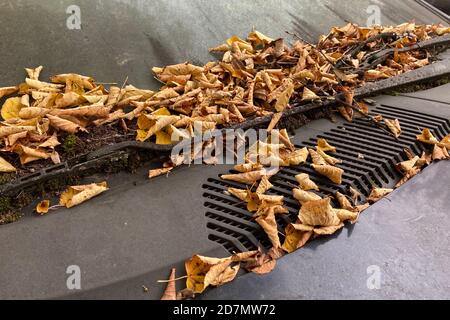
x=304, y=196
x=305, y=182
x=11, y=108
x=295, y=238
x=427, y=137
x=158, y=172
x=323, y=145
x=331, y=172
x=42, y=207
x=5, y=166
x=318, y=213
x=394, y=126
x=378, y=193
x=75, y=195
x=171, y=292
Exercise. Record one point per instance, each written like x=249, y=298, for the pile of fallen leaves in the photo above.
x=256, y=77
x=317, y=216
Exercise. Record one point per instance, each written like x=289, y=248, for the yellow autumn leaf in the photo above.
x=309, y=95
x=75, y=195
x=378, y=193
x=5, y=166
x=6, y=91
x=42, y=207
x=197, y=269
x=171, y=292
x=158, y=172
x=331, y=172
x=304, y=196
x=318, y=213
x=323, y=145
x=247, y=177
x=394, y=126
x=296, y=237
x=427, y=137
x=305, y=182
x=316, y=158
x=28, y=154
x=11, y=108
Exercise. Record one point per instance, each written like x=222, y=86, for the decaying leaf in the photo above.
x=427, y=137
x=304, y=196
x=296, y=237
x=331, y=172
x=5, y=166
x=11, y=108
x=439, y=153
x=318, y=213
x=394, y=126
x=6, y=91
x=247, y=177
x=316, y=158
x=324, y=146
x=76, y=195
x=329, y=159
x=198, y=268
x=378, y=193
x=158, y=172
x=264, y=185
x=171, y=292
x=269, y=224
x=42, y=207
x=305, y=182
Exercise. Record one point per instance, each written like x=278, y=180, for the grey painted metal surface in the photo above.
x=120, y=38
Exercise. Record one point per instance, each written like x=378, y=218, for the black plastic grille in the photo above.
x=368, y=156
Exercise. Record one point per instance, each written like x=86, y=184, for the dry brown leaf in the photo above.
x=247, y=167
x=345, y=214
x=42, y=207
x=264, y=185
x=405, y=166
x=158, y=172
x=295, y=239
x=64, y=125
x=439, y=153
x=6, y=91
x=10, y=130
x=171, y=291
x=309, y=95
x=269, y=224
x=5, y=166
x=323, y=145
x=248, y=177
x=378, y=193
x=304, y=196
x=75, y=195
x=316, y=158
x=331, y=172
x=11, y=108
x=305, y=182
x=221, y=273
x=318, y=213
x=197, y=268
x=329, y=159
x=28, y=154
x=275, y=119
x=343, y=201
x=394, y=126
x=427, y=137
